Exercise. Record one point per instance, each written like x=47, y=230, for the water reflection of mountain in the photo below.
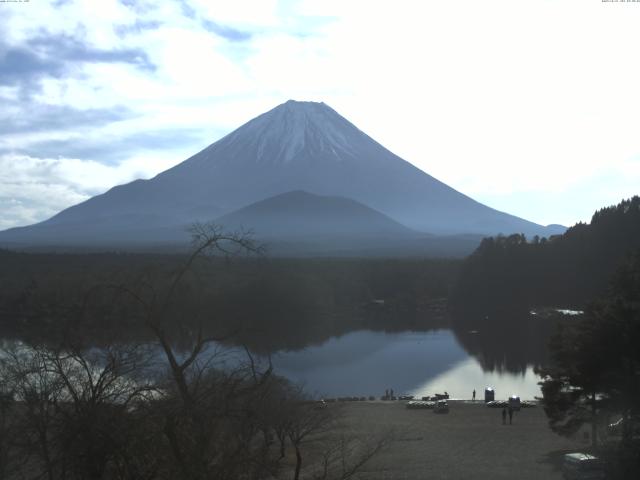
x=511, y=343
x=478, y=351
x=366, y=362
x=298, y=330
x=505, y=342
x=502, y=343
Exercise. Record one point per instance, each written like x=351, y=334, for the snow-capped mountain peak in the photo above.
x=294, y=130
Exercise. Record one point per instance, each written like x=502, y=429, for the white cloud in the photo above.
x=91, y=20
x=252, y=13
x=34, y=189
x=512, y=102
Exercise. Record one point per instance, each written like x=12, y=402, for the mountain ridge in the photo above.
x=304, y=146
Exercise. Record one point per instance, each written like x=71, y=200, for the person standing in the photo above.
x=510, y=415
x=504, y=416
x=474, y=394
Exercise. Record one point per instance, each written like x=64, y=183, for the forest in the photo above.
x=513, y=273
x=268, y=304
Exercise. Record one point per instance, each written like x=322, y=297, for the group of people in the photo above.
x=388, y=393
x=504, y=415
x=505, y=411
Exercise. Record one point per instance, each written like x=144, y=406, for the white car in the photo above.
x=582, y=466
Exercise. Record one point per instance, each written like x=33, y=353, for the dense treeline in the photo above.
x=266, y=303
x=513, y=273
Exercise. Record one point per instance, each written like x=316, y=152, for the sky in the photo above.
x=529, y=106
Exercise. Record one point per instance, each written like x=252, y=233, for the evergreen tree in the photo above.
x=595, y=362
x=568, y=270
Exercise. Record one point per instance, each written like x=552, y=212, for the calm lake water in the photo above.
x=364, y=363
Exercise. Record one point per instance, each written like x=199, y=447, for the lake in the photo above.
x=365, y=362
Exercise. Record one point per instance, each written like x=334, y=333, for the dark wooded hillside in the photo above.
x=516, y=273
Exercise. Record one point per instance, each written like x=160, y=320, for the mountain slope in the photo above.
x=301, y=214
x=302, y=224
x=296, y=146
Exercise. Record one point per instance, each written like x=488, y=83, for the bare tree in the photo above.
x=334, y=452
x=345, y=456
x=75, y=407
x=205, y=405
x=308, y=420
x=37, y=394
x=160, y=410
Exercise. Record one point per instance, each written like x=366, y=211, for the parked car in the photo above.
x=514, y=402
x=582, y=466
x=442, y=406
x=420, y=404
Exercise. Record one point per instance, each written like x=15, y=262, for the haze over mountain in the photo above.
x=299, y=223
x=297, y=146
x=302, y=214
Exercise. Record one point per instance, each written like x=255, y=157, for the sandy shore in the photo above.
x=469, y=442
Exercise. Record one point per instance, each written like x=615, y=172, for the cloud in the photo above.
x=18, y=65
x=138, y=27
x=34, y=189
x=226, y=32
x=510, y=102
x=69, y=49
x=56, y=55
x=247, y=13
x=111, y=149
x=43, y=117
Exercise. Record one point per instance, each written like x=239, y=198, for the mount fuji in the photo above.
x=296, y=147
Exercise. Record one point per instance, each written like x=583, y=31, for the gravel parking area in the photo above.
x=469, y=442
